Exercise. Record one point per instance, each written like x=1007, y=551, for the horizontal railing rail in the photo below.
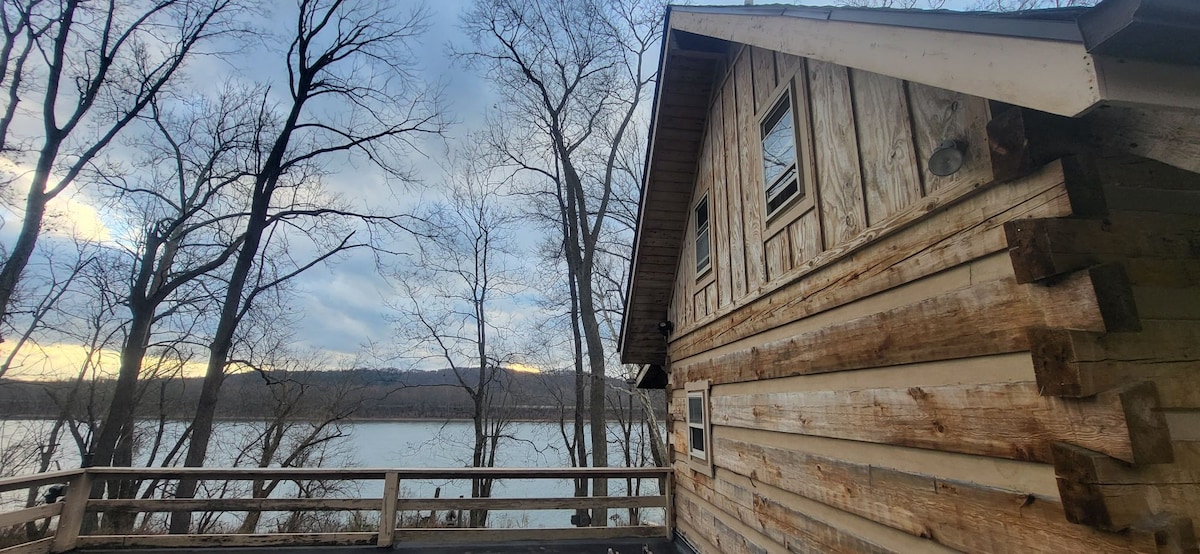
x=69, y=514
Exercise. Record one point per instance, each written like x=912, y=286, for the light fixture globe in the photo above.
x=947, y=158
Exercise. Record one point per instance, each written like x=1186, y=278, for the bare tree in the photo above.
x=101, y=64
x=350, y=90
x=465, y=269
x=573, y=75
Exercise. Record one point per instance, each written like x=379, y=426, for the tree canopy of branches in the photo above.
x=572, y=75
x=88, y=69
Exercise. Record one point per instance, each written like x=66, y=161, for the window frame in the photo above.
x=702, y=463
x=794, y=90
x=706, y=269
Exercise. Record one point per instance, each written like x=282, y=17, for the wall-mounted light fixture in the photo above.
x=948, y=157
x=665, y=327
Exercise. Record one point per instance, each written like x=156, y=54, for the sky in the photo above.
x=338, y=307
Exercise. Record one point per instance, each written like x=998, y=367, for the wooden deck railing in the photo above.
x=71, y=511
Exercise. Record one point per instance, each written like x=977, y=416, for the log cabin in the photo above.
x=925, y=281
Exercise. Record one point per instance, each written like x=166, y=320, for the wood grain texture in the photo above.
x=789, y=527
x=722, y=235
x=839, y=183
x=889, y=163
x=918, y=245
x=753, y=191
x=24, y=515
x=1005, y=420
x=1166, y=135
x=988, y=318
x=779, y=255
x=733, y=195
x=955, y=514
x=200, y=541
x=722, y=532
x=805, y=238
x=1042, y=248
x=1079, y=363
x=40, y=546
x=764, y=76
x=940, y=114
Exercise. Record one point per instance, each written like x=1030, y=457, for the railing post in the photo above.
x=70, y=521
x=387, y=515
x=669, y=511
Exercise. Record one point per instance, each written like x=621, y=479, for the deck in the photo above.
x=67, y=531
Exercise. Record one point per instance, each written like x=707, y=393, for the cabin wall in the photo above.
x=892, y=370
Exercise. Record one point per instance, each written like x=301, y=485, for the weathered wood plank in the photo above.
x=752, y=189
x=889, y=160
x=1042, y=248
x=232, y=504
x=786, y=66
x=70, y=519
x=839, y=183
x=25, y=515
x=912, y=246
x=733, y=194
x=988, y=318
x=1080, y=363
x=564, y=503
x=354, y=473
x=721, y=233
x=804, y=238
x=776, y=520
x=779, y=255
x=940, y=114
x=1006, y=420
x=180, y=541
x=955, y=514
x=21, y=482
x=719, y=531
x=764, y=76
x=1169, y=136
x=387, y=510
x=452, y=535
x=1099, y=491
x=40, y=546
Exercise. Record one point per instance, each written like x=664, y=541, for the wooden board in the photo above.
x=804, y=237
x=733, y=195
x=467, y=535
x=943, y=231
x=779, y=255
x=839, y=184
x=1169, y=136
x=764, y=76
x=722, y=234
x=40, y=546
x=1006, y=420
x=1080, y=363
x=24, y=515
x=940, y=114
x=776, y=520
x=889, y=163
x=988, y=318
x=274, y=539
x=753, y=192
x=727, y=535
x=955, y=514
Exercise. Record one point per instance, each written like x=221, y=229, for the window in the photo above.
x=697, y=447
x=781, y=178
x=699, y=439
x=703, y=249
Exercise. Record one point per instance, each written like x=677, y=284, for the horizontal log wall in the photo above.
x=975, y=364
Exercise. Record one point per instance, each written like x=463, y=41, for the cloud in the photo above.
x=69, y=215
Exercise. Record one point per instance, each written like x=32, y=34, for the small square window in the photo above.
x=703, y=244
x=699, y=434
x=781, y=179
